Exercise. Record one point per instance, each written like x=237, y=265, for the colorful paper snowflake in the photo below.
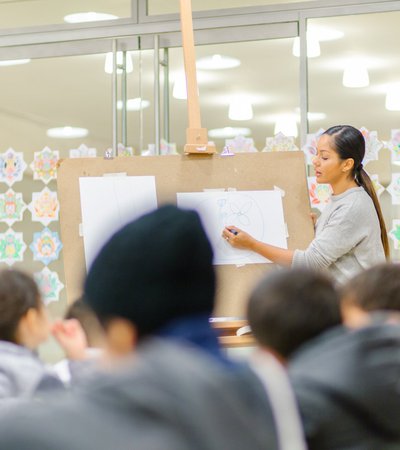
x=394, y=233
x=241, y=144
x=124, y=151
x=46, y=246
x=12, y=247
x=378, y=187
x=83, y=152
x=320, y=194
x=372, y=145
x=44, y=206
x=44, y=165
x=310, y=147
x=394, y=145
x=394, y=188
x=12, y=166
x=49, y=284
x=280, y=143
x=12, y=207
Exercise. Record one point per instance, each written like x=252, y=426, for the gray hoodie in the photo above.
x=22, y=374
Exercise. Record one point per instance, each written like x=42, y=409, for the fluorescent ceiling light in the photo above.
x=108, y=66
x=240, y=108
x=67, y=132
x=314, y=116
x=14, y=62
x=217, y=62
x=179, y=90
x=393, y=98
x=313, y=47
x=287, y=125
x=228, y=132
x=355, y=75
x=88, y=17
x=134, y=104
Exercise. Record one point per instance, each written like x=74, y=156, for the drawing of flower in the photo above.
x=310, y=147
x=44, y=206
x=372, y=145
x=49, y=284
x=241, y=144
x=12, y=247
x=280, y=143
x=12, y=166
x=394, y=188
x=320, y=194
x=44, y=165
x=394, y=233
x=12, y=207
x=46, y=246
x=394, y=145
x=377, y=186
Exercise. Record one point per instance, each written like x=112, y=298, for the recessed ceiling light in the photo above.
x=325, y=34
x=240, y=108
x=313, y=47
x=287, y=125
x=108, y=65
x=179, y=90
x=228, y=132
x=217, y=62
x=88, y=17
x=355, y=75
x=314, y=116
x=14, y=62
x=393, y=97
x=67, y=132
x=134, y=104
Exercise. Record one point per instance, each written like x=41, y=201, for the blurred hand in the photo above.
x=238, y=238
x=71, y=337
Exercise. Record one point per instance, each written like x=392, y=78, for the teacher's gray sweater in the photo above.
x=347, y=237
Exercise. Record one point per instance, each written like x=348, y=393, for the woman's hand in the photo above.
x=238, y=238
x=71, y=337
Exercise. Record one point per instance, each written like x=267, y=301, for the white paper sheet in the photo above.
x=109, y=203
x=259, y=213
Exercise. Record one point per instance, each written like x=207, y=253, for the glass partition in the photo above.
x=156, y=7
x=16, y=14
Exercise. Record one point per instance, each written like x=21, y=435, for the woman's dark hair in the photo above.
x=18, y=294
x=350, y=143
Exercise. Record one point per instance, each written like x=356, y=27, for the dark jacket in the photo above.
x=347, y=384
x=171, y=398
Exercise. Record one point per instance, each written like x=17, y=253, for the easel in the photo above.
x=196, y=136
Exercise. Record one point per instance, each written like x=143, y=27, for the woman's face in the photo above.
x=329, y=168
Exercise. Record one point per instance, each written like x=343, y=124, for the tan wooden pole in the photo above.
x=196, y=136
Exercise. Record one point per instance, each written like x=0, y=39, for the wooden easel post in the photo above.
x=196, y=136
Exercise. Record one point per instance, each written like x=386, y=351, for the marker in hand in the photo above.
x=233, y=231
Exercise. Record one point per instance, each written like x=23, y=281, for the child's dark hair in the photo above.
x=18, y=294
x=350, y=143
x=377, y=288
x=292, y=306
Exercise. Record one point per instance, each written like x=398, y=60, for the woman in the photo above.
x=350, y=234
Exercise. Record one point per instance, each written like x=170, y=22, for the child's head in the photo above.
x=23, y=318
x=290, y=307
x=375, y=289
x=90, y=323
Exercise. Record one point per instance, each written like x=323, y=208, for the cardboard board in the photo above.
x=193, y=173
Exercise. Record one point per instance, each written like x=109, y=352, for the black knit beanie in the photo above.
x=154, y=270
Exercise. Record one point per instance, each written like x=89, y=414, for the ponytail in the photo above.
x=363, y=179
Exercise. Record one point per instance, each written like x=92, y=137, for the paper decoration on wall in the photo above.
x=109, y=203
x=124, y=151
x=44, y=165
x=372, y=145
x=280, y=143
x=320, y=194
x=259, y=213
x=12, y=166
x=394, y=233
x=12, y=207
x=241, y=144
x=12, y=247
x=83, y=152
x=46, y=246
x=44, y=206
x=394, y=188
x=378, y=187
x=394, y=145
x=166, y=148
x=310, y=147
x=49, y=284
